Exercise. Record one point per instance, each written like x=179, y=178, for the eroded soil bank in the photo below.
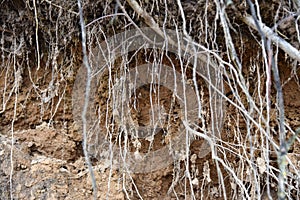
x=45, y=158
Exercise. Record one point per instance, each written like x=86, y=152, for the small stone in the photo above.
x=23, y=166
x=195, y=181
x=30, y=144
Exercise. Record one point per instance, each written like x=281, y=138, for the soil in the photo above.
x=41, y=153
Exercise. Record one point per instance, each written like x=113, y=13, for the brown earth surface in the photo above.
x=41, y=153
